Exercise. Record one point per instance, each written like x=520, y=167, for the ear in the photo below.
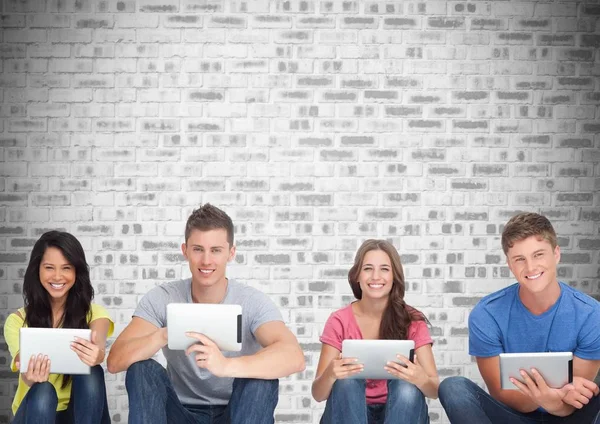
x=231, y=253
x=184, y=250
x=557, y=253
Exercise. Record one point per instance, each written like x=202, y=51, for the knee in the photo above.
x=257, y=386
x=404, y=392
x=92, y=382
x=143, y=371
x=42, y=399
x=346, y=386
x=454, y=388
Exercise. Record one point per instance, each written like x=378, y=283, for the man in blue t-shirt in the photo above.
x=537, y=314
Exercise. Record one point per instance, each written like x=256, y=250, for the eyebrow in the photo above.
x=211, y=247
x=522, y=256
x=373, y=265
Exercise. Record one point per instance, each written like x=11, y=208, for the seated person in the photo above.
x=377, y=281
x=57, y=293
x=536, y=314
x=202, y=384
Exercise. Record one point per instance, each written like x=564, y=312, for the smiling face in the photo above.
x=207, y=253
x=533, y=262
x=57, y=275
x=376, y=277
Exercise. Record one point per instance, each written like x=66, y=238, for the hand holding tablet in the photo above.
x=556, y=368
x=55, y=344
x=374, y=355
x=220, y=323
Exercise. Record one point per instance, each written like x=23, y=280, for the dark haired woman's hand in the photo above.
x=88, y=351
x=341, y=368
x=38, y=370
x=412, y=372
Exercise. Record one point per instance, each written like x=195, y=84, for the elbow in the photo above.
x=300, y=363
x=112, y=364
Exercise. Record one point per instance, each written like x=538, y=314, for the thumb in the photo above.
x=566, y=389
x=93, y=336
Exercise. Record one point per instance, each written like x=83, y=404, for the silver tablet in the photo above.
x=375, y=354
x=555, y=367
x=220, y=323
x=56, y=344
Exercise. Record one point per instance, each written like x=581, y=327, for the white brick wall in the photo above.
x=315, y=124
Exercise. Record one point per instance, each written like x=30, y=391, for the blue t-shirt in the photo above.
x=500, y=323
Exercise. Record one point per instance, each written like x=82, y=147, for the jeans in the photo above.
x=88, y=403
x=347, y=403
x=466, y=402
x=152, y=400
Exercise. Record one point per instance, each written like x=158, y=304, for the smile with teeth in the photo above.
x=57, y=285
x=535, y=276
x=375, y=285
x=206, y=271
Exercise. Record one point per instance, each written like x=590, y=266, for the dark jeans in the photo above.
x=87, y=405
x=347, y=404
x=466, y=402
x=152, y=400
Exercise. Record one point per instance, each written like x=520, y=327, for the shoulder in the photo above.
x=243, y=293
x=172, y=290
x=580, y=299
x=498, y=299
x=16, y=319
x=342, y=315
x=98, y=311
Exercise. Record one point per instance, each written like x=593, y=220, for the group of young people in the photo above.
x=205, y=385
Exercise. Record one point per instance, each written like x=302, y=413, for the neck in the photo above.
x=372, y=307
x=213, y=294
x=58, y=310
x=538, y=303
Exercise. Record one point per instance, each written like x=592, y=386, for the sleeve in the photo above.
x=98, y=312
x=588, y=339
x=263, y=310
x=485, y=338
x=333, y=332
x=419, y=332
x=153, y=307
x=11, y=334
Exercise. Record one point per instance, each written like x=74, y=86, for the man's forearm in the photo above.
x=123, y=353
x=274, y=361
x=516, y=400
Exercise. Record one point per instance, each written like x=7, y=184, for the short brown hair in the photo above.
x=527, y=224
x=208, y=217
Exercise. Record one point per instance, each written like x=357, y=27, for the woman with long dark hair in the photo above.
x=377, y=281
x=57, y=293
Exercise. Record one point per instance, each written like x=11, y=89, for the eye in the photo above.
x=197, y=249
x=367, y=268
x=519, y=260
x=216, y=250
x=537, y=255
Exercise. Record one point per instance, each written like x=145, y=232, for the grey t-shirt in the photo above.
x=194, y=385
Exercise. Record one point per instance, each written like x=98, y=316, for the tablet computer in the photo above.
x=375, y=354
x=220, y=323
x=56, y=344
x=555, y=367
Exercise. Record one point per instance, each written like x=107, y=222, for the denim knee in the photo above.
x=143, y=370
x=405, y=392
x=92, y=383
x=454, y=388
x=42, y=399
x=348, y=385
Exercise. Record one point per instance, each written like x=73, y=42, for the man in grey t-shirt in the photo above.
x=202, y=384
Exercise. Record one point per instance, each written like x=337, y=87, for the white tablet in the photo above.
x=375, y=354
x=56, y=344
x=220, y=323
x=555, y=367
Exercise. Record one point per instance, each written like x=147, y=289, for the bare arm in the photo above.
x=533, y=392
x=280, y=356
x=490, y=371
x=423, y=373
x=139, y=340
x=92, y=352
x=321, y=387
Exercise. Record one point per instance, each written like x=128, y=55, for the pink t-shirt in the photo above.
x=342, y=325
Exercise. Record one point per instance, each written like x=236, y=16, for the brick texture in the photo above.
x=315, y=124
